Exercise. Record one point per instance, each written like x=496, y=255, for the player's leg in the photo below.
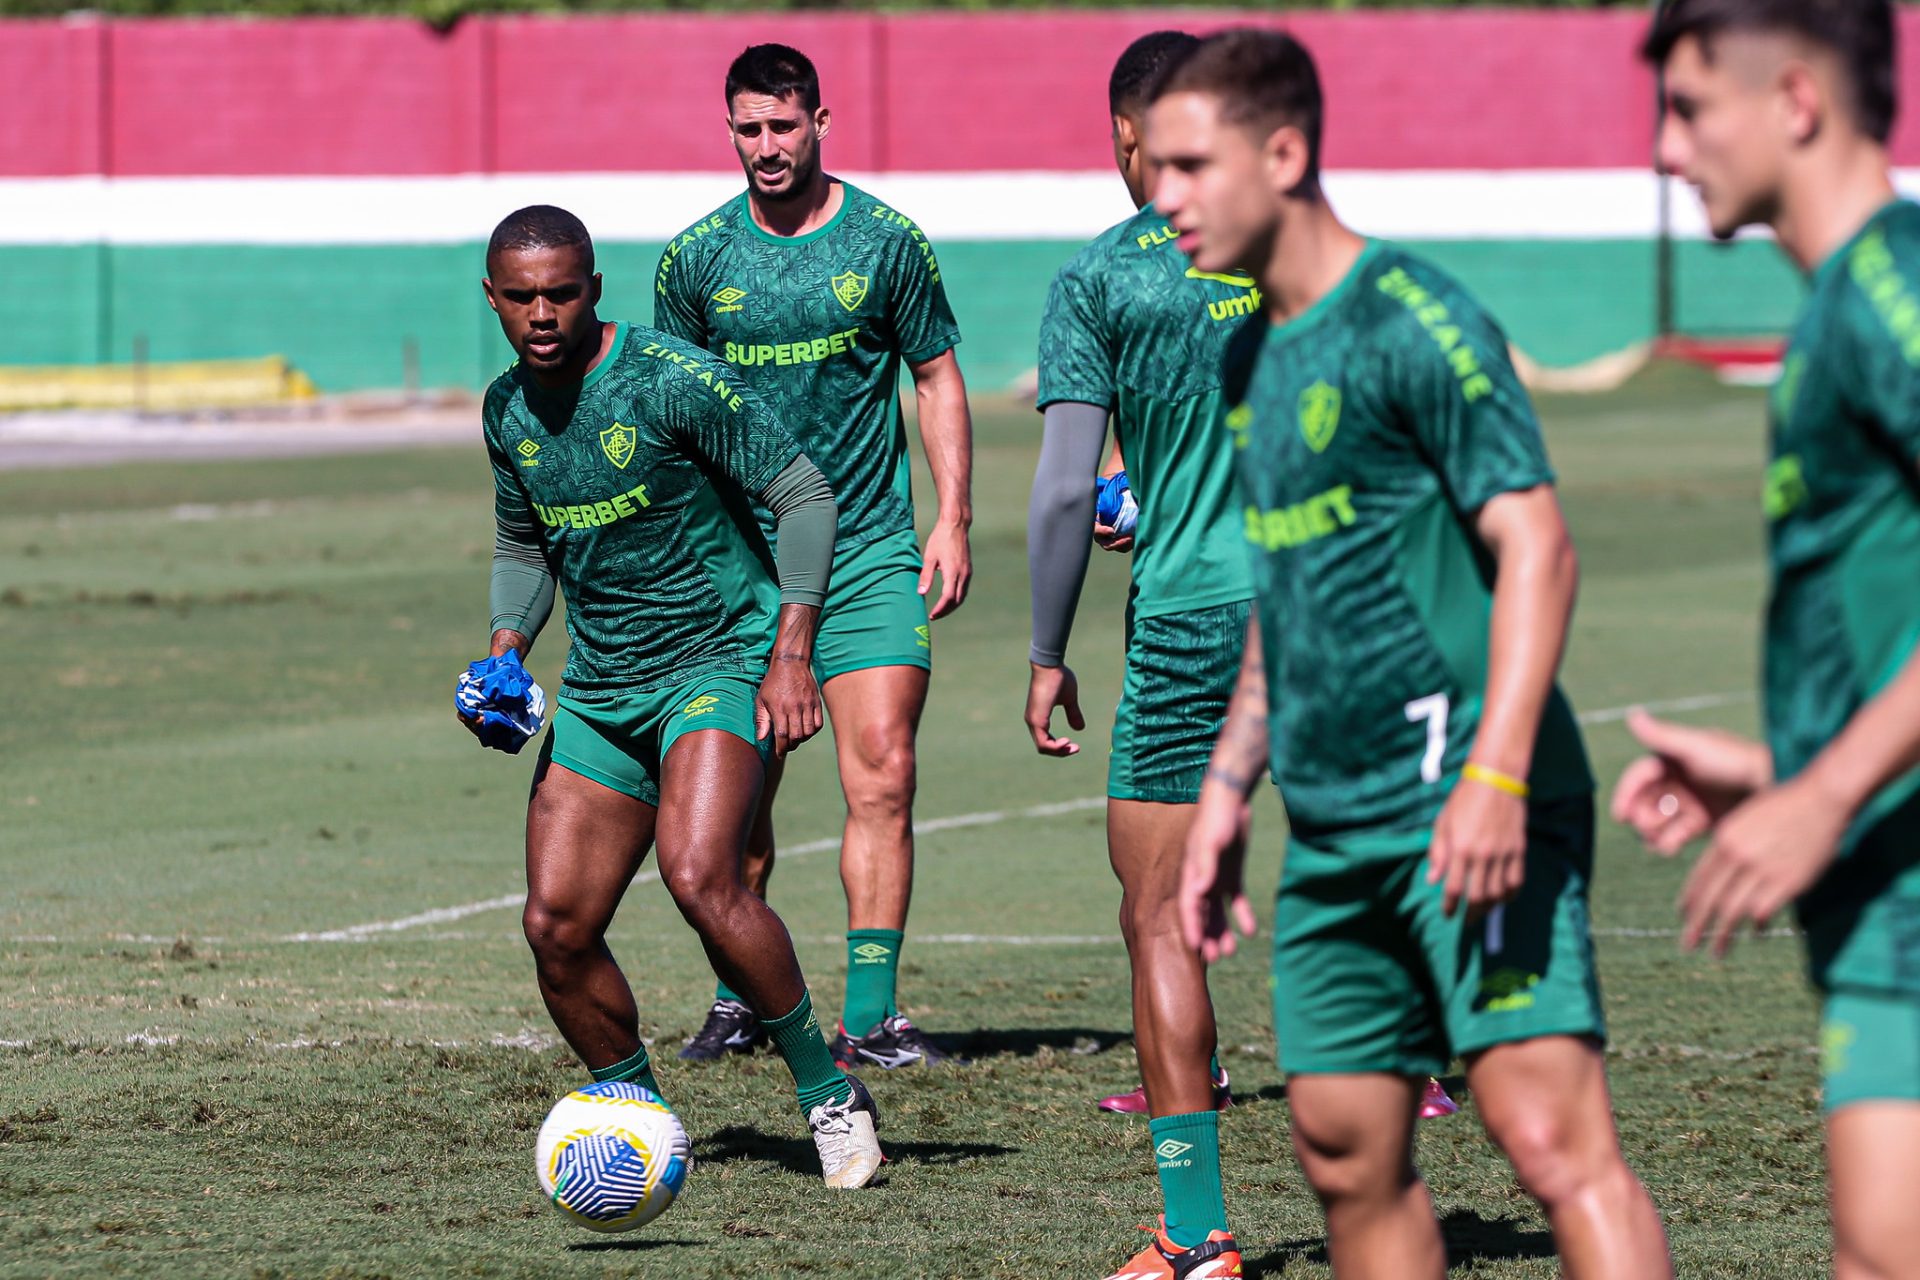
x=1871, y=1065
x=1545, y=1104
x=1180, y=673
x=709, y=789
x=1353, y=1134
x=585, y=840
x=1522, y=1006
x=731, y=1025
x=1360, y=1031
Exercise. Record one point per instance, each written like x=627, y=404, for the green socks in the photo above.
x=873, y=963
x=635, y=1070
x=721, y=991
x=1187, y=1150
x=815, y=1078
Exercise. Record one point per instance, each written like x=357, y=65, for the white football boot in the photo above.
x=844, y=1133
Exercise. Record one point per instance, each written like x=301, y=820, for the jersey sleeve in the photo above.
x=1454, y=386
x=922, y=321
x=512, y=510
x=1884, y=324
x=738, y=433
x=1076, y=358
x=678, y=308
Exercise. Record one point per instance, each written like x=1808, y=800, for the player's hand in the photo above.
x=1693, y=778
x=1107, y=540
x=1765, y=853
x=948, y=555
x=788, y=705
x=1212, y=895
x=1479, y=848
x=1047, y=688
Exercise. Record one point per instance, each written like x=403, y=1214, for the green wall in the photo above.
x=343, y=314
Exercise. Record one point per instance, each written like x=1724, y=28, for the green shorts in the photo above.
x=874, y=615
x=620, y=743
x=1869, y=1048
x=1370, y=975
x=1181, y=669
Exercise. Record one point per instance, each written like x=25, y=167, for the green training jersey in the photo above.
x=1372, y=428
x=819, y=325
x=1131, y=325
x=639, y=488
x=1843, y=515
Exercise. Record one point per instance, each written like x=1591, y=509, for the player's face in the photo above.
x=1726, y=129
x=545, y=299
x=779, y=142
x=1211, y=183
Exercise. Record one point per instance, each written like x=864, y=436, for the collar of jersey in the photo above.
x=1830, y=263
x=847, y=194
x=1323, y=305
x=594, y=374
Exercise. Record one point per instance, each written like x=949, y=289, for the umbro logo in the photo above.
x=1172, y=1149
x=871, y=953
x=729, y=300
x=527, y=449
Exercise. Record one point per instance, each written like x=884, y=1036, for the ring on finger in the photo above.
x=1669, y=805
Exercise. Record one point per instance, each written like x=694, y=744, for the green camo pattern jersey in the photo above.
x=637, y=489
x=1372, y=428
x=819, y=325
x=1843, y=512
x=1132, y=326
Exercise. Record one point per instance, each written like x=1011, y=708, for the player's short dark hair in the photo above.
x=776, y=70
x=1141, y=64
x=541, y=226
x=1860, y=33
x=1263, y=79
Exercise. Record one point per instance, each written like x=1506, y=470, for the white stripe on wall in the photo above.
x=1446, y=205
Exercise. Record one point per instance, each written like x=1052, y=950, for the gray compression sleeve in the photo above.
x=806, y=520
x=1060, y=522
x=521, y=591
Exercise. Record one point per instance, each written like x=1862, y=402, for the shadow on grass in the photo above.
x=1469, y=1238
x=738, y=1142
x=633, y=1246
x=1020, y=1042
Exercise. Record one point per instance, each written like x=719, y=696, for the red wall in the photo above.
x=1493, y=89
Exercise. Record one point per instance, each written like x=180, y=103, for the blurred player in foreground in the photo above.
x=623, y=462
x=816, y=293
x=1130, y=330
x=1413, y=583
x=1778, y=112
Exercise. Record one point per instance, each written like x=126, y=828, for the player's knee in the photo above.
x=556, y=936
x=1145, y=916
x=1341, y=1166
x=1553, y=1157
x=700, y=886
x=885, y=779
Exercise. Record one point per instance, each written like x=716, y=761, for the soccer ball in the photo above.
x=612, y=1156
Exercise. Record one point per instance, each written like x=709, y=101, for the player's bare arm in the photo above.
x=946, y=429
x=789, y=703
x=1212, y=877
x=1772, y=848
x=1480, y=839
x=507, y=640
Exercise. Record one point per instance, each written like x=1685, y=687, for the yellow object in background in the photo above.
x=172, y=386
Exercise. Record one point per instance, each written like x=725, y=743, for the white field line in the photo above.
x=444, y=915
x=988, y=817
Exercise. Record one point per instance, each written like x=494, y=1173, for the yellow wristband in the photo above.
x=1497, y=780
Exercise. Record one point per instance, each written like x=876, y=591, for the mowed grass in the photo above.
x=227, y=729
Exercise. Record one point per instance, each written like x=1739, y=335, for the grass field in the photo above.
x=228, y=746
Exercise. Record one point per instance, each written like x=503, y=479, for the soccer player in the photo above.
x=623, y=464
x=1778, y=112
x=815, y=293
x=1132, y=331
x=1413, y=583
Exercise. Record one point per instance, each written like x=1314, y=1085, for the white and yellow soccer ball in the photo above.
x=612, y=1156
